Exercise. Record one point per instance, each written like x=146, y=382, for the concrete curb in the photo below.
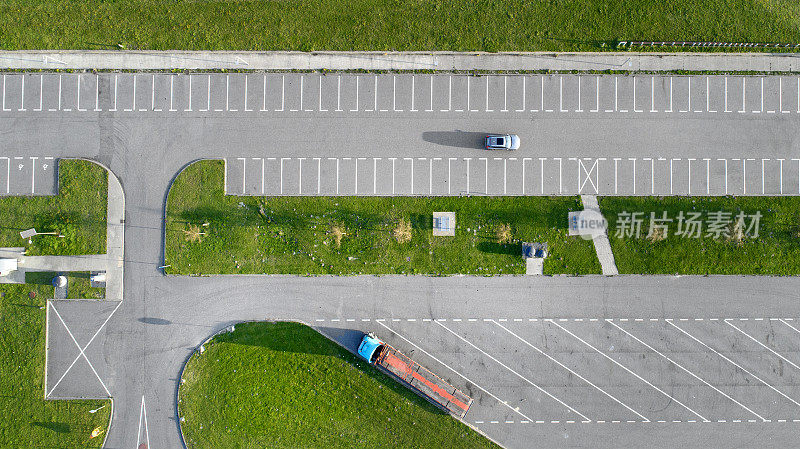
x=428, y=61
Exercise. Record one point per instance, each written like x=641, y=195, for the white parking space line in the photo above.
x=525, y=379
x=792, y=327
x=514, y=409
x=572, y=372
x=669, y=321
x=684, y=369
x=728, y=322
x=628, y=370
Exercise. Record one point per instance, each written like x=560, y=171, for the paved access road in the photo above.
x=146, y=127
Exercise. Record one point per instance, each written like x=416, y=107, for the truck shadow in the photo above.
x=457, y=139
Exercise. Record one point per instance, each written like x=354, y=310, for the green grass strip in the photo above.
x=209, y=233
x=78, y=213
x=457, y=25
x=29, y=421
x=283, y=385
x=776, y=250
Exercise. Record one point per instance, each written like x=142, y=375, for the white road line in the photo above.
x=708, y=96
x=263, y=96
x=726, y=95
x=449, y=184
x=262, y=174
x=524, y=79
x=616, y=94
x=320, y=96
x=374, y=97
x=689, y=106
x=726, y=175
x=616, y=160
x=579, y=95
x=485, y=175
x=744, y=83
x=669, y=321
x=338, y=93
x=628, y=370
x=246, y=82
x=449, y=94
x=780, y=96
x=244, y=172
x=670, y=95
x=281, y=173
x=689, y=173
x=780, y=177
x=505, y=94
x=355, y=188
x=283, y=93
x=41, y=92
x=560, y=174
x=528, y=381
x=541, y=176
x=487, y=96
x=412, y=172
x=189, y=109
x=514, y=409
x=684, y=369
x=634, y=96
x=561, y=94
x=374, y=174
x=633, y=159
x=319, y=172
x=798, y=174
x=762, y=175
x=413, y=93
x=152, y=93
x=393, y=165
x=59, y=92
x=762, y=345
x=143, y=413
x=708, y=175
x=356, y=109
x=22, y=94
x=430, y=109
x=300, y=175
x=597, y=95
x=394, y=94
x=573, y=372
x=653, y=94
x=78, y=102
x=523, y=173
x=792, y=327
x=543, y=109
x=208, y=96
x=33, y=174
x=97, y=93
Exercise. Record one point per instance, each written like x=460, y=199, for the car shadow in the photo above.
x=456, y=139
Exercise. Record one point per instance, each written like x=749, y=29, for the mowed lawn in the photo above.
x=208, y=232
x=776, y=250
x=283, y=385
x=29, y=421
x=459, y=25
x=78, y=213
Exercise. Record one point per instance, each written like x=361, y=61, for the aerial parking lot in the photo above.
x=607, y=371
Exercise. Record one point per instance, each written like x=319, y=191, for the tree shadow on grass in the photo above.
x=512, y=249
x=58, y=427
x=298, y=338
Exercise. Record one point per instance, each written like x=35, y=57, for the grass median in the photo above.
x=28, y=420
x=78, y=212
x=457, y=25
x=283, y=385
x=210, y=233
x=775, y=250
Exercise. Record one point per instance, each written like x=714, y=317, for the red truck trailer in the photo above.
x=414, y=375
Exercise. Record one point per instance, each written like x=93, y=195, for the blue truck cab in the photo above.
x=368, y=349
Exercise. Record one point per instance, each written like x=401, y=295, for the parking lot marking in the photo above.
x=152, y=94
x=744, y=83
x=228, y=91
x=792, y=327
x=22, y=94
x=487, y=96
x=449, y=95
x=59, y=92
x=283, y=93
x=634, y=96
x=263, y=162
x=726, y=95
x=669, y=321
x=616, y=160
x=762, y=175
x=189, y=109
x=264, y=96
x=4, y=94
x=81, y=349
x=708, y=96
x=684, y=369
x=579, y=95
x=572, y=372
x=430, y=109
x=798, y=94
x=588, y=173
x=762, y=345
x=338, y=93
x=375, y=97
x=780, y=95
x=628, y=370
x=375, y=175
x=392, y=159
x=561, y=94
x=524, y=79
x=413, y=79
x=41, y=93
x=541, y=176
x=356, y=109
x=505, y=94
x=597, y=95
x=394, y=94
x=300, y=175
x=469, y=159
x=515, y=372
x=653, y=94
x=515, y=410
x=33, y=174
x=143, y=413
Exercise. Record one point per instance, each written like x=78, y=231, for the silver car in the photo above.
x=502, y=142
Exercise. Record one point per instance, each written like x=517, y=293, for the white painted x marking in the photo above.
x=81, y=349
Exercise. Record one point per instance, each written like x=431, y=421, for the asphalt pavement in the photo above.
x=145, y=130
